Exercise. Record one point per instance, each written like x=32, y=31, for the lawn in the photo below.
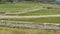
x=7, y=30
x=38, y=20
x=39, y=12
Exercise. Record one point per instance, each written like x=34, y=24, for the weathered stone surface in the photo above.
x=44, y=26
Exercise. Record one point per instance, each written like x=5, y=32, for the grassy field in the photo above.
x=17, y=6
x=38, y=20
x=7, y=30
x=23, y=6
x=39, y=12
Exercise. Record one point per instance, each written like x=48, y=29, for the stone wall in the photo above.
x=44, y=26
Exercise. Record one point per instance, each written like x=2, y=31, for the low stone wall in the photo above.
x=44, y=26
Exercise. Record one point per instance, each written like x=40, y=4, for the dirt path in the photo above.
x=58, y=15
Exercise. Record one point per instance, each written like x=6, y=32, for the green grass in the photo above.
x=17, y=6
x=7, y=30
x=38, y=20
x=39, y=12
x=23, y=6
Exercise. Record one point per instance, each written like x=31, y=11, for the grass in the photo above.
x=7, y=30
x=23, y=6
x=17, y=6
x=39, y=12
x=38, y=20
